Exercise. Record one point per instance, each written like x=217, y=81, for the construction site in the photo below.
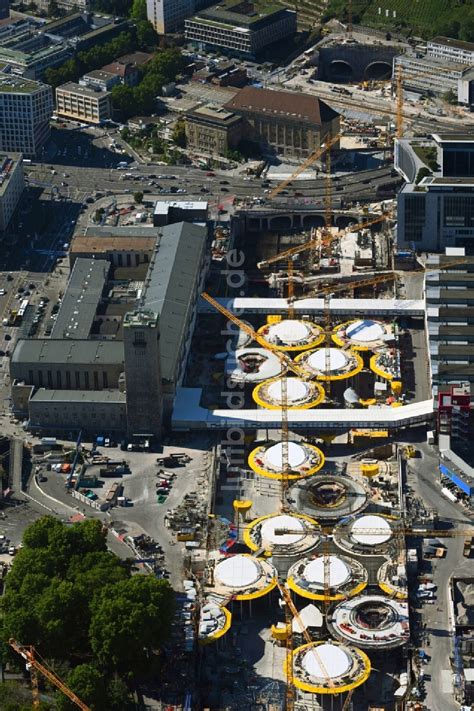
x=303, y=585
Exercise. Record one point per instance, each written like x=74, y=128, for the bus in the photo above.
x=21, y=311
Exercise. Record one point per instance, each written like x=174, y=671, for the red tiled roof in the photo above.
x=283, y=104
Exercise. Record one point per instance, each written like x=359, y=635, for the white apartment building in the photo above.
x=169, y=15
x=26, y=107
x=451, y=49
x=12, y=184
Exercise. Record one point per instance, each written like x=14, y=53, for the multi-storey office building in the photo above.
x=451, y=50
x=213, y=130
x=25, y=110
x=12, y=184
x=83, y=103
x=240, y=28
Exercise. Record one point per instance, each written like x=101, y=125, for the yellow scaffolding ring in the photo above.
x=278, y=476
x=341, y=342
x=318, y=398
x=293, y=585
x=248, y=529
x=222, y=631
x=302, y=347
x=343, y=376
x=361, y=677
x=378, y=370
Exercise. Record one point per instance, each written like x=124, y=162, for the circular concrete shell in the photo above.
x=330, y=363
x=361, y=335
x=243, y=577
x=346, y=577
x=329, y=496
x=328, y=667
x=292, y=334
x=252, y=365
x=391, y=584
x=301, y=394
x=265, y=532
x=371, y=621
x=381, y=533
x=304, y=460
x=365, y=534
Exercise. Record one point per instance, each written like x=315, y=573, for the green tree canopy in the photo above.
x=138, y=11
x=129, y=624
x=65, y=585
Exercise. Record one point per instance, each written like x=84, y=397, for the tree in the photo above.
x=138, y=197
x=179, y=133
x=422, y=173
x=123, y=100
x=138, y=11
x=146, y=35
x=129, y=624
x=450, y=97
x=88, y=682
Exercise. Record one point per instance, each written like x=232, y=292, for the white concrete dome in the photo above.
x=365, y=331
x=296, y=455
x=332, y=357
x=339, y=571
x=382, y=530
x=326, y=660
x=291, y=523
x=289, y=331
x=296, y=389
x=238, y=571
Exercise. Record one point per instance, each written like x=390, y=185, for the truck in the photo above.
x=108, y=471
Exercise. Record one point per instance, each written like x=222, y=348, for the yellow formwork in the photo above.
x=356, y=590
x=250, y=526
x=374, y=366
x=220, y=632
x=317, y=396
x=315, y=341
x=341, y=342
x=360, y=678
x=258, y=469
x=342, y=376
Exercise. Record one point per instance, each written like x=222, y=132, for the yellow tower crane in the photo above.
x=34, y=666
x=319, y=240
x=287, y=364
x=330, y=141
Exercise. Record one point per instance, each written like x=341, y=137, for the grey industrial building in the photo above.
x=93, y=381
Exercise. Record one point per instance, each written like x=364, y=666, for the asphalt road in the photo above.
x=82, y=181
x=424, y=480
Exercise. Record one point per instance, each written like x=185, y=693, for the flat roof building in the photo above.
x=239, y=28
x=32, y=101
x=288, y=123
x=431, y=75
x=12, y=185
x=451, y=49
x=145, y=367
x=82, y=103
x=98, y=78
x=212, y=130
x=81, y=299
x=168, y=212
